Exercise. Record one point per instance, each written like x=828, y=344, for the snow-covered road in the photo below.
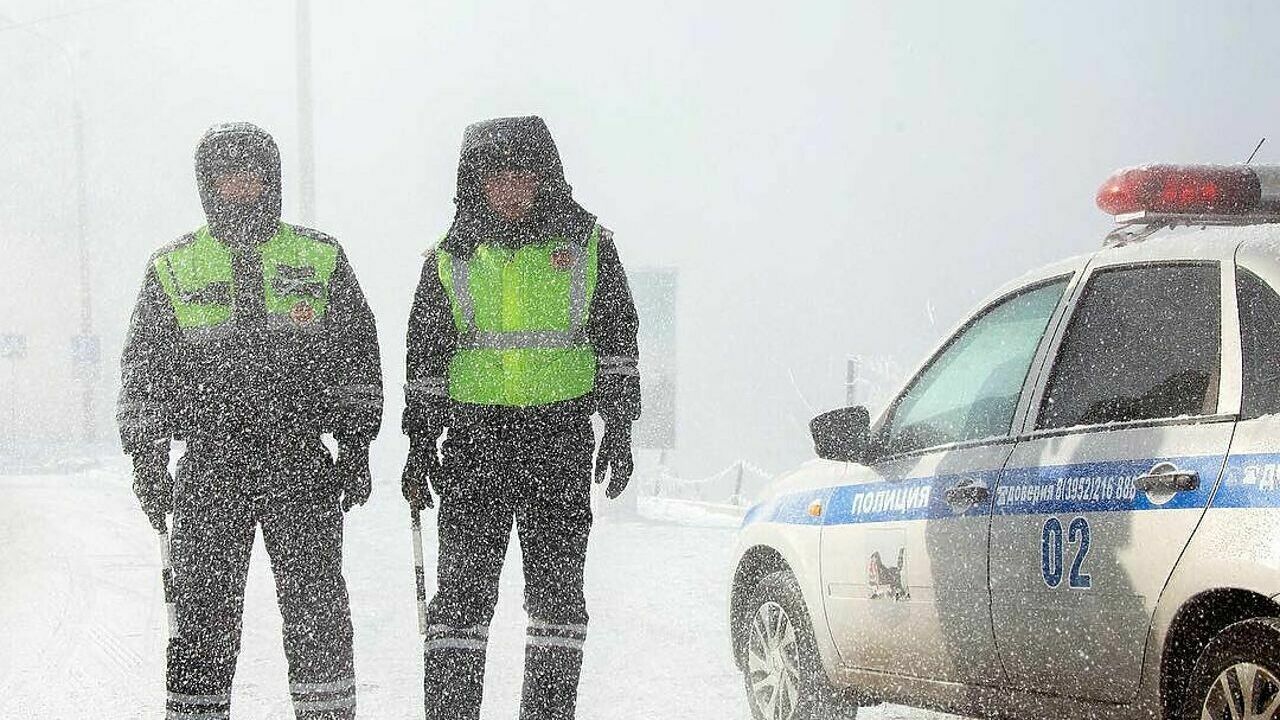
x=81, y=605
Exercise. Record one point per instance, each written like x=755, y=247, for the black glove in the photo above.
x=152, y=482
x=423, y=464
x=353, y=473
x=615, y=455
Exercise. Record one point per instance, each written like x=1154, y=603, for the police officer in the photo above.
x=522, y=327
x=249, y=340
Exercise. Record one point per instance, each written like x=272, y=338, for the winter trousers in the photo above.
x=537, y=477
x=223, y=492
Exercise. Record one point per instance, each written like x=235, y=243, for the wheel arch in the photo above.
x=1197, y=621
x=757, y=562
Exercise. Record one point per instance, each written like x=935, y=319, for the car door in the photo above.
x=904, y=571
x=1125, y=442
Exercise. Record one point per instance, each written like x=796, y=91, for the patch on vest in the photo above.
x=562, y=258
x=302, y=313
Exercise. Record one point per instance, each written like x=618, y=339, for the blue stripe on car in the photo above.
x=1250, y=481
x=1247, y=481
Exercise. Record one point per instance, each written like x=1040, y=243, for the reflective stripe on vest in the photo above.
x=295, y=276
x=521, y=317
x=198, y=280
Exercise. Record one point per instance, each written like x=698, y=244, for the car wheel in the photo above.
x=1238, y=675
x=782, y=672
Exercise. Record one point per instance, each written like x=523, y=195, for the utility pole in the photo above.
x=85, y=347
x=306, y=119
x=851, y=382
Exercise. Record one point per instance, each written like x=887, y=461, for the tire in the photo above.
x=782, y=672
x=1237, y=675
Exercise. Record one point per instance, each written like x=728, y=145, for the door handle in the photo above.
x=967, y=493
x=1165, y=477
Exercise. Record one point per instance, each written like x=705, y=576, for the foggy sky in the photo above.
x=830, y=178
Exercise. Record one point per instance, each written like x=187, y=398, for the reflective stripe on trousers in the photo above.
x=443, y=637
x=545, y=634
x=322, y=697
x=453, y=678
x=552, y=666
x=183, y=706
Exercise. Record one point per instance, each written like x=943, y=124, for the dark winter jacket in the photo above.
x=259, y=379
x=612, y=324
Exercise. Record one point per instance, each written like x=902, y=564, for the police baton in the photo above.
x=419, y=573
x=166, y=576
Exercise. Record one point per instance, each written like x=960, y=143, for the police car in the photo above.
x=1070, y=510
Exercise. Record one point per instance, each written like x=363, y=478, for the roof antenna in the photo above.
x=1254, y=154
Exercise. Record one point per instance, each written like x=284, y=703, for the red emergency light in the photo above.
x=1182, y=190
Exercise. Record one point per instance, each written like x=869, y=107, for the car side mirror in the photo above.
x=842, y=434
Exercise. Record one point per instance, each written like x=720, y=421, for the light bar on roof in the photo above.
x=1185, y=190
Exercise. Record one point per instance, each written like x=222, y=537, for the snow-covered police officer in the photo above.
x=522, y=327
x=250, y=339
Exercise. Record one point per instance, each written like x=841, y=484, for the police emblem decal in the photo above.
x=562, y=258
x=302, y=313
x=888, y=582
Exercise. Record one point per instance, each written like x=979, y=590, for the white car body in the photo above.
x=972, y=624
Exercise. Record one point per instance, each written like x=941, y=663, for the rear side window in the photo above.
x=1143, y=344
x=1259, y=343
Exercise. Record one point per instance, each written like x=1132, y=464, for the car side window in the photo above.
x=1144, y=343
x=970, y=390
x=1259, y=343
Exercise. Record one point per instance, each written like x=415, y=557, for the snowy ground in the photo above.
x=84, y=622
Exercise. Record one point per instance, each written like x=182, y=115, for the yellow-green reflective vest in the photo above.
x=198, y=280
x=521, y=317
